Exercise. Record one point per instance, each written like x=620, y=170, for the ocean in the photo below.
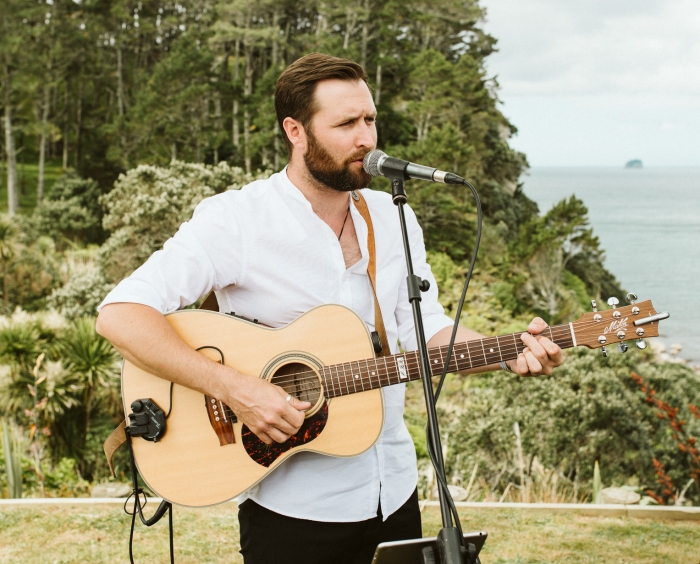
x=648, y=222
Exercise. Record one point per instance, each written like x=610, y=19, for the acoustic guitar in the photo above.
x=203, y=455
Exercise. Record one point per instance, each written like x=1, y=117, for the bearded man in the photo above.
x=272, y=251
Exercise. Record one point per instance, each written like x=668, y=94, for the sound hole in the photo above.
x=299, y=381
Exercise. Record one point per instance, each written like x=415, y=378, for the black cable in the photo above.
x=442, y=483
x=164, y=506
x=463, y=297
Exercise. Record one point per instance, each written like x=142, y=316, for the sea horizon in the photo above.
x=648, y=223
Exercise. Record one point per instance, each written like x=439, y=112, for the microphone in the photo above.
x=378, y=163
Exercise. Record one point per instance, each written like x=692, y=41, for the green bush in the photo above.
x=589, y=409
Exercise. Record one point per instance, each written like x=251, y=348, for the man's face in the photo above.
x=341, y=133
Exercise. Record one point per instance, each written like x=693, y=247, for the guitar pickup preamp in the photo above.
x=147, y=420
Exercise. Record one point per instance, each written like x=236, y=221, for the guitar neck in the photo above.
x=362, y=375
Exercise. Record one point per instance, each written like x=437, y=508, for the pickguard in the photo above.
x=265, y=455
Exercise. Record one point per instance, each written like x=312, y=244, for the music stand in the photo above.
x=422, y=551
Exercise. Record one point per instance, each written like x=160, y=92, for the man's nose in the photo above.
x=365, y=135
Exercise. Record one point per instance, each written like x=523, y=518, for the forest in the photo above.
x=119, y=116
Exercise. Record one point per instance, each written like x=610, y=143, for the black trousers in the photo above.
x=270, y=538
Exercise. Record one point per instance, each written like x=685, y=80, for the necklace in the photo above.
x=347, y=213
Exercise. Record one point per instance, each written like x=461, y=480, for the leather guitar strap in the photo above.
x=361, y=206
x=117, y=437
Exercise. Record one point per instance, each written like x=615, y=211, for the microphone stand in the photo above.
x=449, y=543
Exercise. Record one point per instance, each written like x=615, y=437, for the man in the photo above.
x=272, y=251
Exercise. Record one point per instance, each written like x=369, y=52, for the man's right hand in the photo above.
x=144, y=337
x=264, y=408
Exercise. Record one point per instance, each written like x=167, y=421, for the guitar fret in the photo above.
x=336, y=378
x=360, y=375
x=345, y=377
x=469, y=354
x=386, y=367
x=498, y=344
x=354, y=384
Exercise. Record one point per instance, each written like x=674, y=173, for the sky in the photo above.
x=599, y=82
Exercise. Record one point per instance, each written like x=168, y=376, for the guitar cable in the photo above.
x=137, y=492
x=164, y=506
x=442, y=483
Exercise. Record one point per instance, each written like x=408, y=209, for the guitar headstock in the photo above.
x=618, y=324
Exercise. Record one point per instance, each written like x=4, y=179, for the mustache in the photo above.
x=358, y=156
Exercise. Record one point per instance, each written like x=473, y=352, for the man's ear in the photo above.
x=295, y=133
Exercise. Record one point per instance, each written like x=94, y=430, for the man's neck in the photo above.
x=326, y=202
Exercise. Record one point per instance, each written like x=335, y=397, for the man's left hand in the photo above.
x=540, y=355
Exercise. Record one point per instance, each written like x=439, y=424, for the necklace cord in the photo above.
x=347, y=213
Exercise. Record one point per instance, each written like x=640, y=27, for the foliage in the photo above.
x=589, y=409
x=29, y=267
x=148, y=204
x=72, y=401
x=685, y=442
x=71, y=214
x=81, y=294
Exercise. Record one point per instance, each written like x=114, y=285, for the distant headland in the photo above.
x=636, y=163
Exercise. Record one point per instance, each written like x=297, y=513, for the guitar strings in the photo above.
x=302, y=381
x=410, y=360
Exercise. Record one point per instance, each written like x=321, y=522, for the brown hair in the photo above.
x=296, y=86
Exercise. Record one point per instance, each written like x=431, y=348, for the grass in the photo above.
x=96, y=534
x=28, y=174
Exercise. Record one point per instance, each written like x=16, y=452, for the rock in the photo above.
x=620, y=496
x=675, y=348
x=111, y=489
x=458, y=493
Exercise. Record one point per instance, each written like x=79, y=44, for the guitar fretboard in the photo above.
x=362, y=375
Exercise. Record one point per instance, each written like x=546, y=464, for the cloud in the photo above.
x=630, y=47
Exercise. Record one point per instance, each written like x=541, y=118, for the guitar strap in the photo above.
x=361, y=206
x=117, y=437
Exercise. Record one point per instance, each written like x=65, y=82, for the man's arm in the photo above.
x=145, y=338
x=540, y=355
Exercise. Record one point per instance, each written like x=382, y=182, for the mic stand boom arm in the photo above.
x=448, y=542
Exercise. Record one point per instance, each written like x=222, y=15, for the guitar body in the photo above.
x=190, y=465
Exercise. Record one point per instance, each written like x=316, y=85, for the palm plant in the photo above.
x=92, y=361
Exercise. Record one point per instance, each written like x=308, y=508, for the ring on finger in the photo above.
x=288, y=398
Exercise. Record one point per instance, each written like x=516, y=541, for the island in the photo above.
x=636, y=163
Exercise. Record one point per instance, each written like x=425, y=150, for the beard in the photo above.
x=325, y=170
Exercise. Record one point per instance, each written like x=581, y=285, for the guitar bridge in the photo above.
x=222, y=419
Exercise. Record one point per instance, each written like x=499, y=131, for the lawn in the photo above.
x=95, y=534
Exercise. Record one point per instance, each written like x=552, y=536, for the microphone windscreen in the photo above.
x=371, y=162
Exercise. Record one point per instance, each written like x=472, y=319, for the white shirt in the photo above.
x=269, y=257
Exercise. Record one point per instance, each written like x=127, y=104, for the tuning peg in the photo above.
x=641, y=344
x=613, y=301
x=604, y=351
x=594, y=305
x=622, y=347
x=631, y=298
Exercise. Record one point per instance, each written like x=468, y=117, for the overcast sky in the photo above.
x=599, y=82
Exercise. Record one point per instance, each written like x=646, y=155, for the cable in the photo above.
x=164, y=506
x=462, y=298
